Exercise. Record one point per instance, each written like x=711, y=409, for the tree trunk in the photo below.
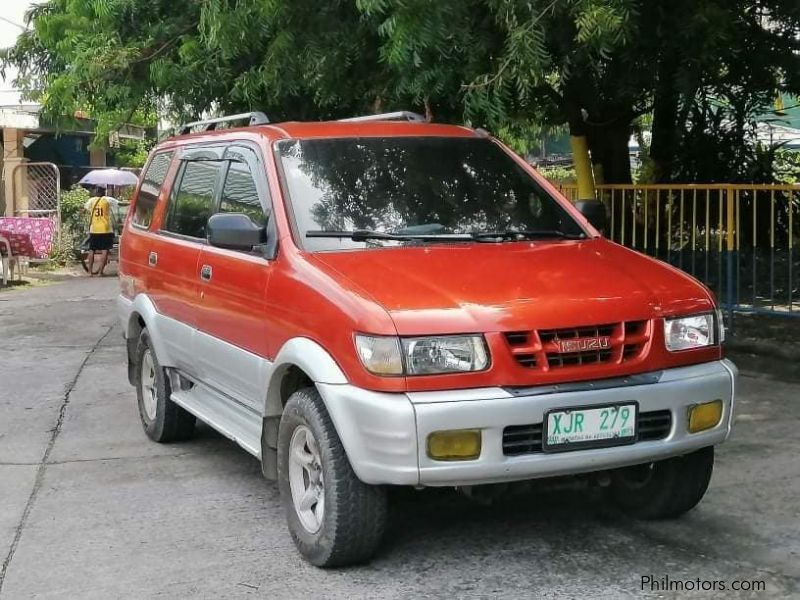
x=607, y=130
x=608, y=144
x=664, y=142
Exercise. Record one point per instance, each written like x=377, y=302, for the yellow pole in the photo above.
x=732, y=244
x=731, y=220
x=583, y=166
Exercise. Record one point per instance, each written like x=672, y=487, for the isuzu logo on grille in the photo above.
x=584, y=344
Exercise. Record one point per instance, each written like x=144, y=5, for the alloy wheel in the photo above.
x=306, y=480
x=149, y=396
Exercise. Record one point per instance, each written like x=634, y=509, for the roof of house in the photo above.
x=27, y=116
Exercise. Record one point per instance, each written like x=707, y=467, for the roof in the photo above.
x=20, y=116
x=778, y=135
x=28, y=117
x=333, y=129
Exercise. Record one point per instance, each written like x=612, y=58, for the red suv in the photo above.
x=385, y=301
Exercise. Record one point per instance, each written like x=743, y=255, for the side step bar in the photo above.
x=230, y=418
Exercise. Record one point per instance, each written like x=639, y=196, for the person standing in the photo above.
x=102, y=210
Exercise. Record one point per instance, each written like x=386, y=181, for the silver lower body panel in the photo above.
x=385, y=434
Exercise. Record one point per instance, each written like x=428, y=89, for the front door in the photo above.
x=231, y=342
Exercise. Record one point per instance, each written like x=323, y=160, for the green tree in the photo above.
x=131, y=154
x=595, y=64
x=117, y=58
x=510, y=65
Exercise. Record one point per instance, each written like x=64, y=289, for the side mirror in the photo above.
x=595, y=212
x=235, y=231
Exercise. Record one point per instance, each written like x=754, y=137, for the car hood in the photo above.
x=514, y=286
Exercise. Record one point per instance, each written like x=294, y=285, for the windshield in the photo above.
x=421, y=189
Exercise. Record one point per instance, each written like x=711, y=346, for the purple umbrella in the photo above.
x=109, y=177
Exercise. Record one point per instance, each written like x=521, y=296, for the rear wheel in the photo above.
x=334, y=518
x=162, y=419
x=665, y=489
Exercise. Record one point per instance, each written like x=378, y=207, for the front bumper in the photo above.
x=384, y=435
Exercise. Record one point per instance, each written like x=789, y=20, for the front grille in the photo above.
x=610, y=343
x=551, y=337
x=522, y=439
x=527, y=439
x=517, y=338
x=571, y=359
x=654, y=425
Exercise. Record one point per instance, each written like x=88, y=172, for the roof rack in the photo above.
x=254, y=118
x=400, y=115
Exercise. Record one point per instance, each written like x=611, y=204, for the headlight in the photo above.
x=384, y=355
x=685, y=333
x=451, y=354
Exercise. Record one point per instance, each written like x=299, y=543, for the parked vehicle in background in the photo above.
x=384, y=301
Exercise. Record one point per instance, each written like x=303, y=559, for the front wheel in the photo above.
x=665, y=489
x=334, y=518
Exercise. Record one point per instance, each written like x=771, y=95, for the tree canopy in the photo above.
x=697, y=68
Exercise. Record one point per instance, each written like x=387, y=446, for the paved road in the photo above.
x=89, y=508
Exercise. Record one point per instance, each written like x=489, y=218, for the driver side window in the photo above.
x=240, y=192
x=192, y=202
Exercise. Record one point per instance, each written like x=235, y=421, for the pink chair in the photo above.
x=27, y=236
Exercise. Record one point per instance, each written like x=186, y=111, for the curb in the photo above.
x=762, y=348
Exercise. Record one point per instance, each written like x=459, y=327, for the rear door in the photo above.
x=174, y=254
x=138, y=239
x=231, y=344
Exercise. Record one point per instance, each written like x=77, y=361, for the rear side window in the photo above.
x=152, y=181
x=192, y=202
x=240, y=193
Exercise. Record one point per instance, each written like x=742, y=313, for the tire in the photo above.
x=348, y=527
x=163, y=420
x=666, y=489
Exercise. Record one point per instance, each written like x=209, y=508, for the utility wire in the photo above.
x=14, y=23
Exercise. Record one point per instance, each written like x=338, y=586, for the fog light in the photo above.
x=705, y=416
x=455, y=444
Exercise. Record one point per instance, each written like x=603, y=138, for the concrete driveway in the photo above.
x=90, y=508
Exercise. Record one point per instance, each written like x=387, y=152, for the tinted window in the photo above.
x=240, y=194
x=193, y=202
x=412, y=184
x=152, y=181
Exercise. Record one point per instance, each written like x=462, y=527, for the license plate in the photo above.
x=595, y=427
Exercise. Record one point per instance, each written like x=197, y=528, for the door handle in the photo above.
x=205, y=272
x=152, y=259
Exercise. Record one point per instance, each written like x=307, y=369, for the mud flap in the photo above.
x=131, y=345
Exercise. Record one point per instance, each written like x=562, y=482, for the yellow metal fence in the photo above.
x=739, y=239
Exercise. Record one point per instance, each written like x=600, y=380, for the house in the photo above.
x=28, y=139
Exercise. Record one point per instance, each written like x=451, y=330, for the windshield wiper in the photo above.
x=510, y=235
x=362, y=235
x=526, y=234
